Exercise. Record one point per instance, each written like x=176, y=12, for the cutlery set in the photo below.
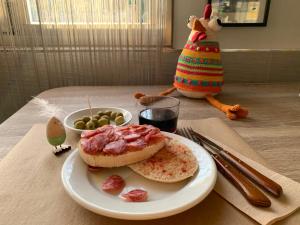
x=244, y=177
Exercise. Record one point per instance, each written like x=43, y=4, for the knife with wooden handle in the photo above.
x=249, y=191
x=255, y=176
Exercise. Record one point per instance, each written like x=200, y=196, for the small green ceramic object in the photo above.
x=56, y=133
x=56, y=141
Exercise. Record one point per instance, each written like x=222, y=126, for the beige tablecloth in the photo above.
x=31, y=191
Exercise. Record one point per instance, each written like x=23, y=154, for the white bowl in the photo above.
x=69, y=119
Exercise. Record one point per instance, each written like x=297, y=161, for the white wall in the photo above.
x=282, y=31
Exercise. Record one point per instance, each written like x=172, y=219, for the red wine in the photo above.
x=164, y=119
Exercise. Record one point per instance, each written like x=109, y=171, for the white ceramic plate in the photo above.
x=164, y=199
x=69, y=119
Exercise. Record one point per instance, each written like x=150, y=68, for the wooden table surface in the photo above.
x=272, y=129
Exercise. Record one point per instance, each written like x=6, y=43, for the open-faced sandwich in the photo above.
x=111, y=146
x=175, y=162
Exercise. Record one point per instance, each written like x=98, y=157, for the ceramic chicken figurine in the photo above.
x=199, y=72
x=55, y=130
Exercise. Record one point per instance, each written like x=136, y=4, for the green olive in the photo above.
x=86, y=119
x=100, y=113
x=119, y=120
x=90, y=125
x=108, y=113
x=113, y=115
x=95, y=121
x=102, y=122
x=78, y=120
x=96, y=117
x=105, y=117
x=80, y=125
x=119, y=114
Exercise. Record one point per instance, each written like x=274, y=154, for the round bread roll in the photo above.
x=132, y=155
x=174, y=163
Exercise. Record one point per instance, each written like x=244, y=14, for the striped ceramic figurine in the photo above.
x=199, y=72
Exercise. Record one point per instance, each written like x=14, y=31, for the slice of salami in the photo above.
x=123, y=128
x=157, y=135
x=95, y=144
x=135, y=195
x=131, y=137
x=116, y=147
x=140, y=129
x=125, y=132
x=93, y=168
x=135, y=126
x=150, y=129
x=85, y=144
x=115, y=137
x=110, y=132
x=89, y=133
x=113, y=184
x=150, y=134
x=140, y=143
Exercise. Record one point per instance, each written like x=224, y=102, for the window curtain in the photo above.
x=52, y=43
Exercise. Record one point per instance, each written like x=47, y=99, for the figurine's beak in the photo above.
x=215, y=24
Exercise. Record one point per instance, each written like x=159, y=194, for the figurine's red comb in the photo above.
x=207, y=10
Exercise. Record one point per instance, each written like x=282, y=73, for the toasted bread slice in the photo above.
x=174, y=163
x=132, y=155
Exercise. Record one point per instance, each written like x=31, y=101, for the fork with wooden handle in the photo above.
x=249, y=190
x=252, y=174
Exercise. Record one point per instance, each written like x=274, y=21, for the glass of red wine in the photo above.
x=159, y=111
